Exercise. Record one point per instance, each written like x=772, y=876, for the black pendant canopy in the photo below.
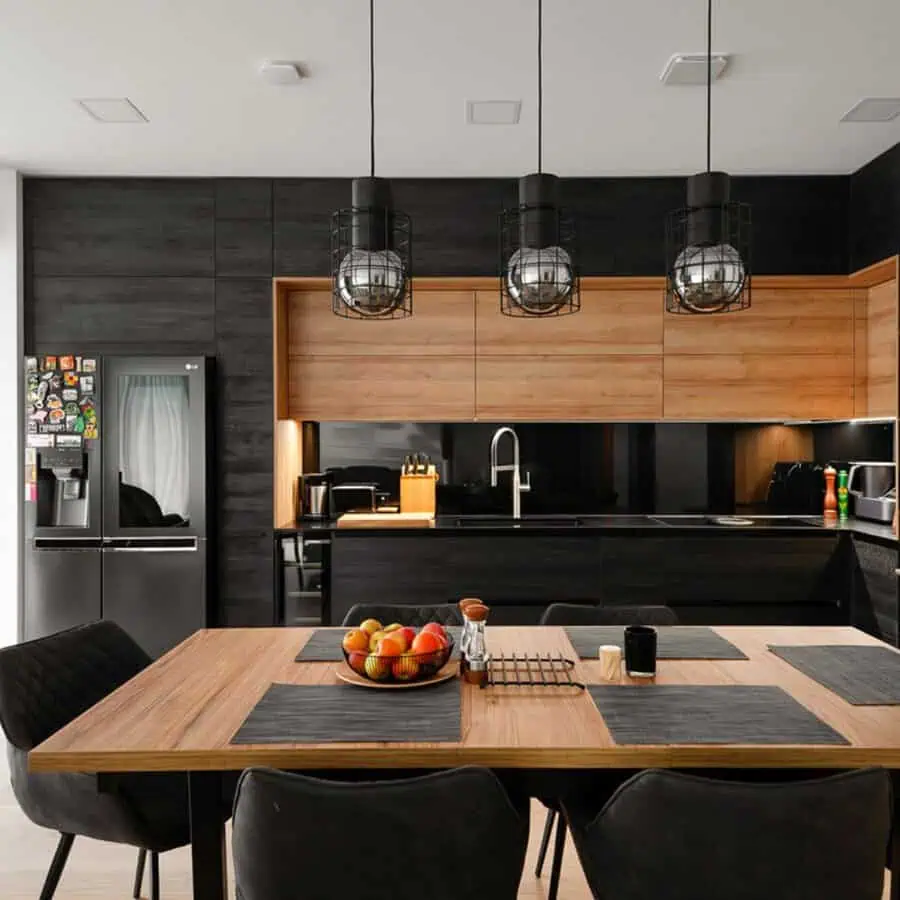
x=371, y=273
x=538, y=274
x=708, y=240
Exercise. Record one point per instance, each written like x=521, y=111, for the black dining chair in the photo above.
x=44, y=685
x=584, y=614
x=454, y=835
x=414, y=616
x=684, y=837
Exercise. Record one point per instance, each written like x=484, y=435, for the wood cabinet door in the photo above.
x=789, y=356
x=569, y=388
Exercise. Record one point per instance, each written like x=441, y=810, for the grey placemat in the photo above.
x=324, y=645
x=674, y=642
x=863, y=676
x=312, y=714
x=714, y=714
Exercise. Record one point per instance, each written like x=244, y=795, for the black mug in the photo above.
x=640, y=651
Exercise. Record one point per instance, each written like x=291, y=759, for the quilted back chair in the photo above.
x=581, y=614
x=446, y=836
x=414, y=616
x=44, y=685
x=683, y=837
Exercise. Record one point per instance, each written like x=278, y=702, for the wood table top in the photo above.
x=181, y=713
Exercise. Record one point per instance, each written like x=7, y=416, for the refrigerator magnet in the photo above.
x=70, y=379
x=40, y=440
x=55, y=382
x=32, y=427
x=90, y=431
x=70, y=395
x=39, y=415
x=54, y=401
x=31, y=364
x=70, y=423
x=31, y=493
x=87, y=384
x=53, y=427
x=30, y=456
x=69, y=441
x=89, y=365
x=43, y=387
x=49, y=363
x=78, y=426
x=67, y=362
x=71, y=409
x=57, y=415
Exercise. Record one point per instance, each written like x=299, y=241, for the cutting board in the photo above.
x=386, y=520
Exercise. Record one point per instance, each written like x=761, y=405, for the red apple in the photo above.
x=357, y=662
x=375, y=639
x=377, y=668
x=435, y=628
x=406, y=668
x=408, y=633
x=355, y=640
x=370, y=626
x=399, y=638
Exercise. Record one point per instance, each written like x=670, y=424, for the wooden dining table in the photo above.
x=181, y=714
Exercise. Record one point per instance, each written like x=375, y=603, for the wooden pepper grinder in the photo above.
x=831, y=503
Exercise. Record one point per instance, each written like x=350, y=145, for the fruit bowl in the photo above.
x=388, y=664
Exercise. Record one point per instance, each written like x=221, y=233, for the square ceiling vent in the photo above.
x=113, y=111
x=690, y=68
x=874, y=109
x=493, y=112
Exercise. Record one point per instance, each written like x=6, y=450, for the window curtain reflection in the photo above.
x=154, y=438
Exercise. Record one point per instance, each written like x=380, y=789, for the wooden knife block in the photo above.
x=418, y=493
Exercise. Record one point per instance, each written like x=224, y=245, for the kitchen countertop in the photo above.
x=618, y=524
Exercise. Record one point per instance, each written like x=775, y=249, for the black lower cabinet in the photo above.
x=875, y=601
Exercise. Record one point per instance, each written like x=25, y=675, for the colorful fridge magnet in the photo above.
x=54, y=401
x=31, y=364
x=49, y=363
x=53, y=427
x=67, y=362
x=40, y=440
x=88, y=365
x=70, y=379
x=78, y=427
x=87, y=384
x=39, y=415
x=90, y=431
x=72, y=441
x=43, y=387
x=71, y=409
x=70, y=423
x=56, y=414
x=70, y=395
x=55, y=382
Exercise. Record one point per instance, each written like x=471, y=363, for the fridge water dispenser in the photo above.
x=62, y=488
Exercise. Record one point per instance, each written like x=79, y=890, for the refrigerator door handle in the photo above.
x=150, y=549
x=190, y=545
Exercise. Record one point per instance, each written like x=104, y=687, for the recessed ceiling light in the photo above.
x=493, y=112
x=281, y=72
x=690, y=68
x=874, y=109
x=113, y=110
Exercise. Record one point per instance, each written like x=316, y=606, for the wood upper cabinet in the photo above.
x=789, y=356
x=601, y=363
x=415, y=369
x=881, y=350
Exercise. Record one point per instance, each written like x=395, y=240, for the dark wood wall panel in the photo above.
x=875, y=210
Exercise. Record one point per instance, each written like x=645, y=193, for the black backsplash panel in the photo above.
x=874, y=227
x=178, y=266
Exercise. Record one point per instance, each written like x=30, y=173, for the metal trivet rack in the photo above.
x=531, y=670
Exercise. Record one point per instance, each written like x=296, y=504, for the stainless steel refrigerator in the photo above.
x=118, y=493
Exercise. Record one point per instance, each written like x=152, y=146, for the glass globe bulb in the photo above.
x=540, y=281
x=708, y=278
x=371, y=281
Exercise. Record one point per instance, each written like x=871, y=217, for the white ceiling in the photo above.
x=191, y=66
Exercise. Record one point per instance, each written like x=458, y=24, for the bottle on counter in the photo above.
x=476, y=656
x=843, y=496
x=466, y=629
x=830, y=510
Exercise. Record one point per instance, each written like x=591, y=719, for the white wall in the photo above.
x=11, y=462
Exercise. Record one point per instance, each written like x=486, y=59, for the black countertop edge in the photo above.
x=624, y=525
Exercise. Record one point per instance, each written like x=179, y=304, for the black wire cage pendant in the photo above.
x=538, y=275
x=708, y=249
x=371, y=254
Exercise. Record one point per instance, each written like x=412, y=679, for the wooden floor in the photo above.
x=97, y=871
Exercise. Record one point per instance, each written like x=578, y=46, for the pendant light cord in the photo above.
x=540, y=81
x=708, y=85
x=372, y=88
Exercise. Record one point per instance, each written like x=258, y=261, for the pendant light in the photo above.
x=371, y=276
x=708, y=241
x=538, y=275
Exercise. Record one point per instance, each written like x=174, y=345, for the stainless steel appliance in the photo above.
x=313, y=493
x=353, y=498
x=116, y=496
x=872, y=491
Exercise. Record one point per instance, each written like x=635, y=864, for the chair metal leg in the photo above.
x=556, y=865
x=139, y=874
x=154, y=876
x=57, y=864
x=545, y=841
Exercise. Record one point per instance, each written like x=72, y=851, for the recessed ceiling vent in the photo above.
x=686, y=69
x=874, y=109
x=113, y=111
x=493, y=112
